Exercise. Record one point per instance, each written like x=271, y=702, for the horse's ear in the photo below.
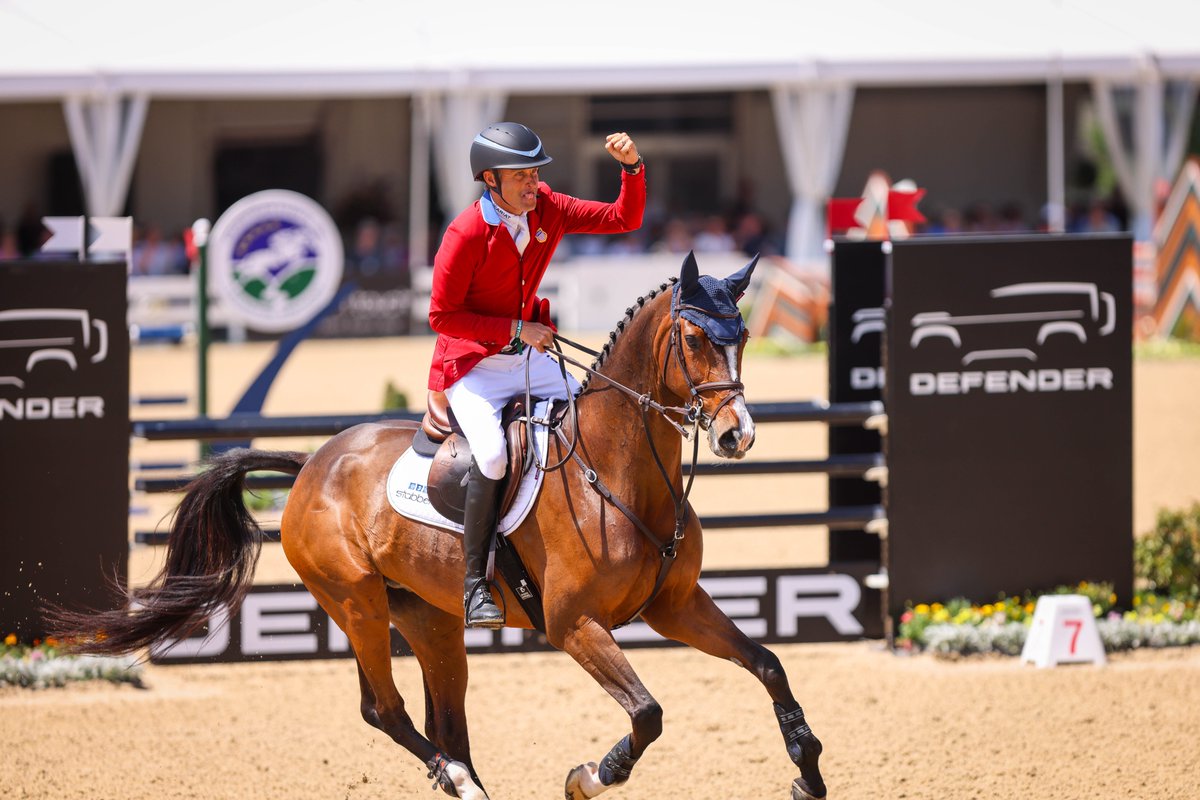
x=689, y=275
x=738, y=281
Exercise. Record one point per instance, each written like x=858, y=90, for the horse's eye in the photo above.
x=692, y=341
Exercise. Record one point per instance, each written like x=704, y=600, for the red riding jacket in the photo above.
x=481, y=284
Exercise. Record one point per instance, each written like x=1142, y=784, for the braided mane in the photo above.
x=615, y=335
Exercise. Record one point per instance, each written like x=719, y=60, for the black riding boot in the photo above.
x=479, y=524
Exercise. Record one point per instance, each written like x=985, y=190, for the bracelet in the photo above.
x=634, y=168
x=517, y=335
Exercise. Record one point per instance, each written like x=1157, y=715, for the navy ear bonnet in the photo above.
x=711, y=303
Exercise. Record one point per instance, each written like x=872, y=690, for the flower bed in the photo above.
x=960, y=627
x=42, y=665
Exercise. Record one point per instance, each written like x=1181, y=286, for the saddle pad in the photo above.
x=409, y=476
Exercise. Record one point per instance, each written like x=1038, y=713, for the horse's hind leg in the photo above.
x=359, y=606
x=697, y=621
x=436, y=639
x=593, y=647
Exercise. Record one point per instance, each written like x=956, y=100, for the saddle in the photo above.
x=441, y=438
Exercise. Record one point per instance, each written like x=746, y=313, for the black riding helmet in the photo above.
x=506, y=145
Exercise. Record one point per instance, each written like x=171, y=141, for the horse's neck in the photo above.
x=610, y=421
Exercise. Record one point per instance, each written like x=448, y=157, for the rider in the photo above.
x=485, y=311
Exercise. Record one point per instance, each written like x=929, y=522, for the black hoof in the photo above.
x=802, y=791
x=810, y=785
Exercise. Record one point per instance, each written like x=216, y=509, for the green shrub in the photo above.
x=393, y=398
x=265, y=500
x=1101, y=594
x=1167, y=560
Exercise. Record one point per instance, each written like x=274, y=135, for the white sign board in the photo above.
x=1063, y=632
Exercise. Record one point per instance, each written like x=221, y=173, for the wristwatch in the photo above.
x=634, y=168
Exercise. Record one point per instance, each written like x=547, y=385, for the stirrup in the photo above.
x=479, y=610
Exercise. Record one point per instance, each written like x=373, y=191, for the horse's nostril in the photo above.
x=729, y=440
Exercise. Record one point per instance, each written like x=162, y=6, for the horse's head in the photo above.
x=703, y=363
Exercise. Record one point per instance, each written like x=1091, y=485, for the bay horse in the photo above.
x=611, y=536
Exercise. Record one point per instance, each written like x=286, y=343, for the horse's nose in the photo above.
x=733, y=443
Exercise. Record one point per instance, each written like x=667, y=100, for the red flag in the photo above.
x=903, y=205
x=840, y=212
x=189, y=245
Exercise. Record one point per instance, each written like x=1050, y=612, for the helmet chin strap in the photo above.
x=498, y=191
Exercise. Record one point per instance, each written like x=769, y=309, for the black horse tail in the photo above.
x=211, y=554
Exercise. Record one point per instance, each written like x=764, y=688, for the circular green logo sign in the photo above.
x=276, y=259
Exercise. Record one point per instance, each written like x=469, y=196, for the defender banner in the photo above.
x=855, y=376
x=64, y=436
x=1009, y=390
x=284, y=622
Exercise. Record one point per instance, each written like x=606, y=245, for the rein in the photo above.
x=692, y=414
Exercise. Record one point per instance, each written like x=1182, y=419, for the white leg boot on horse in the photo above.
x=436, y=639
x=479, y=525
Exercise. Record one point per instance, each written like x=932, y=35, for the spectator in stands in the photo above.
x=948, y=221
x=154, y=254
x=714, y=237
x=1098, y=219
x=676, y=238
x=1011, y=219
x=30, y=232
x=750, y=235
x=366, y=256
x=8, y=243
x=395, y=252
x=979, y=218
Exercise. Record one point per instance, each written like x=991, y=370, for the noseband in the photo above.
x=675, y=345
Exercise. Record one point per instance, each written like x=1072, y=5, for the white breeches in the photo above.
x=479, y=397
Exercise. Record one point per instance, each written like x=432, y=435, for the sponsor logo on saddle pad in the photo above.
x=408, y=493
x=276, y=259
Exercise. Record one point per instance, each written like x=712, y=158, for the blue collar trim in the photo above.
x=487, y=207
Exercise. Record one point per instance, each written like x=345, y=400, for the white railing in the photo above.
x=163, y=301
x=591, y=293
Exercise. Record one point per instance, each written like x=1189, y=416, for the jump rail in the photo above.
x=841, y=466
x=251, y=426
x=852, y=517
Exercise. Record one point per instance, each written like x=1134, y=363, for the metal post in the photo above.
x=200, y=229
x=418, y=183
x=1056, y=193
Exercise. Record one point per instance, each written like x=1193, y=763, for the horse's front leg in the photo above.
x=593, y=646
x=693, y=618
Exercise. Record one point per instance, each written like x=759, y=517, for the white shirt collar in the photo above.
x=513, y=222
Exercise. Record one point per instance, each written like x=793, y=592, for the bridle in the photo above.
x=693, y=413
x=675, y=345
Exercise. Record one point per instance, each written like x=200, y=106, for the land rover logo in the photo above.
x=276, y=259
x=1074, y=311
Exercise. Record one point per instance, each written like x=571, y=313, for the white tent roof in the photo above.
x=225, y=48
